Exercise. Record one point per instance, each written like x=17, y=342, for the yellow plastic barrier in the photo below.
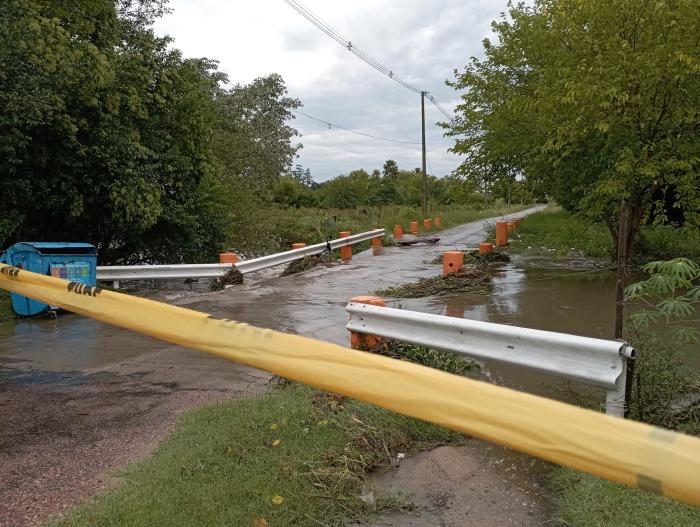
x=632, y=453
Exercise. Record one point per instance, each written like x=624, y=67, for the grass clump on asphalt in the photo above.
x=586, y=501
x=440, y=360
x=466, y=280
x=307, y=262
x=232, y=277
x=294, y=456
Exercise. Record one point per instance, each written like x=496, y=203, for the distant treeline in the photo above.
x=390, y=186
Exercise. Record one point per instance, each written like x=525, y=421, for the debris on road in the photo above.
x=466, y=280
x=306, y=263
x=232, y=277
x=419, y=239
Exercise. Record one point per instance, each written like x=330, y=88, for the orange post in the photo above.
x=414, y=227
x=398, y=232
x=501, y=233
x=228, y=257
x=377, y=242
x=452, y=261
x=298, y=245
x=511, y=225
x=359, y=340
x=427, y=224
x=345, y=250
x=438, y=223
x=485, y=248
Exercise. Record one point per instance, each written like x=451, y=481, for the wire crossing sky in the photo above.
x=328, y=30
x=422, y=42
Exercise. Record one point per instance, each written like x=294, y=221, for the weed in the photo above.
x=232, y=277
x=586, y=500
x=440, y=360
x=466, y=280
x=306, y=263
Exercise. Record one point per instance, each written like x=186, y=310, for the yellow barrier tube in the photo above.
x=628, y=452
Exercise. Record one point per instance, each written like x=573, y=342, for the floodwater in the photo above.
x=47, y=361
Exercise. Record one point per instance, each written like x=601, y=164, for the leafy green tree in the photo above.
x=253, y=141
x=597, y=101
x=105, y=132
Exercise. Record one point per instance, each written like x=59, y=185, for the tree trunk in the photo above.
x=623, y=232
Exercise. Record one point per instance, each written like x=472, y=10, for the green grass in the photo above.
x=272, y=229
x=6, y=312
x=223, y=466
x=588, y=501
x=558, y=233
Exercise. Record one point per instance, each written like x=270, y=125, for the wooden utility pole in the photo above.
x=424, y=201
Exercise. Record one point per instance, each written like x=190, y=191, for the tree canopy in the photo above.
x=597, y=103
x=109, y=135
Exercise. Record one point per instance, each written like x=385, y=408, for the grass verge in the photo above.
x=588, y=501
x=558, y=233
x=274, y=229
x=294, y=456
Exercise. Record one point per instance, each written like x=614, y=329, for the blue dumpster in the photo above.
x=76, y=262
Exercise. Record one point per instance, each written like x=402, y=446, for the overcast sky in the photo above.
x=422, y=41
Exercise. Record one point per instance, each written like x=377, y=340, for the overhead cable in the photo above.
x=330, y=125
x=352, y=48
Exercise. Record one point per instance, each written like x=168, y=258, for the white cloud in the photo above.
x=423, y=42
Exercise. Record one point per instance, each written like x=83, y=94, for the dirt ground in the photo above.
x=476, y=485
x=61, y=443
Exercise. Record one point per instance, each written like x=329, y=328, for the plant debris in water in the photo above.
x=473, y=257
x=306, y=263
x=232, y=277
x=466, y=280
x=440, y=360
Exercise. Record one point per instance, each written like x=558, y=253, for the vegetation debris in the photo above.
x=306, y=263
x=466, y=280
x=440, y=360
x=232, y=277
x=473, y=257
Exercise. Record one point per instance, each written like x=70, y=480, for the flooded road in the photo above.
x=79, y=393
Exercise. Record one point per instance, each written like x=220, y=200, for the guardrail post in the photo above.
x=511, y=225
x=345, y=250
x=414, y=227
x=427, y=224
x=228, y=257
x=360, y=340
x=438, y=222
x=298, y=245
x=501, y=233
x=398, y=232
x=485, y=248
x=452, y=261
x=377, y=242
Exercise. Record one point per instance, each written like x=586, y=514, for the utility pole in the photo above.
x=424, y=201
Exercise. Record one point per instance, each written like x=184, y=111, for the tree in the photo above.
x=391, y=169
x=105, y=131
x=253, y=142
x=598, y=102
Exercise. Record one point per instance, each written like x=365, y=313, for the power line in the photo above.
x=347, y=44
x=329, y=124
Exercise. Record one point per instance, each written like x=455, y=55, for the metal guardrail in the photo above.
x=597, y=362
x=116, y=273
